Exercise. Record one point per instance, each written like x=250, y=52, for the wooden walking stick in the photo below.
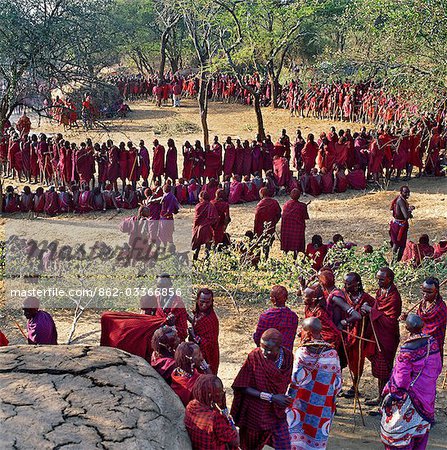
x=352, y=379
x=444, y=382
x=356, y=385
x=21, y=330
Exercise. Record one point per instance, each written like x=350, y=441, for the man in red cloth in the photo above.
x=433, y=311
x=158, y=161
x=402, y=212
x=213, y=160
x=223, y=211
x=356, y=347
x=281, y=170
x=384, y=316
x=204, y=330
x=267, y=215
x=315, y=306
x=229, y=157
x=205, y=219
x=279, y=317
x=293, y=224
x=309, y=153
x=260, y=396
x=23, y=125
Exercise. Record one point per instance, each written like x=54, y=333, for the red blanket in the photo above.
x=293, y=226
x=205, y=219
x=207, y=329
x=129, y=332
x=261, y=374
x=267, y=210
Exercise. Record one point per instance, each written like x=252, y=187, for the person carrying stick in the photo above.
x=384, y=316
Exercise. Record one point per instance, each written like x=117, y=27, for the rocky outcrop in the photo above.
x=82, y=397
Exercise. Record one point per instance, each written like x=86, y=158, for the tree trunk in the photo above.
x=174, y=63
x=259, y=119
x=203, y=106
x=274, y=92
x=164, y=40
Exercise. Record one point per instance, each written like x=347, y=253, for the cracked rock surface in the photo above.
x=84, y=397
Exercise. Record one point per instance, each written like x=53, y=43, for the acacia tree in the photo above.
x=49, y=43
x=199, y=17
x=270, y=30
x=168, y=16
x=231, y=38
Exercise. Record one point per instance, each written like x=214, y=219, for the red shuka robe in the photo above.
x=267, y=210
x=206, y=328
x=205, y=219
x=293, y=226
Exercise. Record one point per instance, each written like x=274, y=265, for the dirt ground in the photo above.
x=360, y=217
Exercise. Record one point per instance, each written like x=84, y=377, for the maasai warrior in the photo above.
x=236, y=191
x=213, y=160
x=168, y=303
x=402, y=212
x=337, y=306
x=165, y=340
x=309, y=153
x=293, y=224
x=158, y=161
x=223, y=211
x=23, y=125
x=51, y=202
x=433, y=311
x=260, y=398
x=279, y=317
x=171, y=170
x=357, y=349
x=408, y=409
x=317, y=251
x=207, y=419
x=230, y=157
x=205, y=219
x=384, y=316
x=40, y=326
x=144, y=161
x=267, y=215
x=315, y=306
x=316, y=374
x=204, y=329
x=188, y=359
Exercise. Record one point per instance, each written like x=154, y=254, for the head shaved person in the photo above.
x=207, y=418
x=316, y=381
x=280, y=317
x=293, y=224
x=315, y=306
x=433, y=312
x=40, y=326
x=408, y=409
x=260, y=398
x=384, y=316
x=402, y=213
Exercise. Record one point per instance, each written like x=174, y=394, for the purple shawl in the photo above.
x=41, y=329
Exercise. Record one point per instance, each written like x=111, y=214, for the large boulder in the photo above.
x=84, y=397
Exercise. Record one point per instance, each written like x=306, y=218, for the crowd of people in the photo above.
x=280, y=399
x=332, y=163
x=366, y=102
